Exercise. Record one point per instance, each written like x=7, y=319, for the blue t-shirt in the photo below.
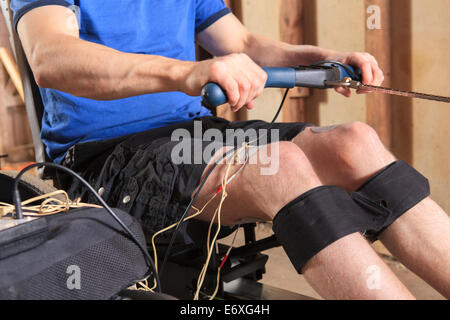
x=158, y=27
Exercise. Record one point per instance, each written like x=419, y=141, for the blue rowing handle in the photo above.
x=213, y=95
x=310, y=77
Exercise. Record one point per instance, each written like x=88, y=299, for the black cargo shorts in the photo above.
x=136, y=173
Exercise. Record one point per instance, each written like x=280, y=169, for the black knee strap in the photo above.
x=389, y=194
x=316, y=219
x=325, y=214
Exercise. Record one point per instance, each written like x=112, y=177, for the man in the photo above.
x=119, y=77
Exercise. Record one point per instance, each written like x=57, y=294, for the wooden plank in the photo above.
x=402, y=76
x=310, y=36
x=378, y=43
x=13, y=71
x=21, y=147
x=3, y=42
x=236, y=7
x=14, y=126
x=291, y=29
x=225, y=110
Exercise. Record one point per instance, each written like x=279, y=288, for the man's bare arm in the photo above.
x=228, y=35
x=61, y=60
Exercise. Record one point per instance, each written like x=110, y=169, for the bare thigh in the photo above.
x=254, y=195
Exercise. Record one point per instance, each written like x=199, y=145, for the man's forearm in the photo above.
x=268, y=52
x=94, y=71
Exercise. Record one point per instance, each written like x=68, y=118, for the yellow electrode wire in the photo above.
x=220, y=268
x=144, y=283
x=49, y=206
x=155, y=255
x=218, y=214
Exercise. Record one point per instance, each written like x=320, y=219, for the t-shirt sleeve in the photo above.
x=208, y=12
x=21, y=7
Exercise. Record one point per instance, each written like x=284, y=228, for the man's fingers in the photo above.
x=250, y=105
x=344, y=91
x=241, y=78
x=244, y=90
x=378, y=76
x=251, y=79
x=371, y=72
x=366, y=64
x=231, y=88
x=366, y=69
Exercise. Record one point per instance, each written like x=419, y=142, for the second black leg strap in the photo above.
x=316, y=219
x=389, y=194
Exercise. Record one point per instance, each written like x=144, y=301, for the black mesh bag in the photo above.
x=84, y=254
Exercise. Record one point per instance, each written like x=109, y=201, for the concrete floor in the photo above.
x=281, y=274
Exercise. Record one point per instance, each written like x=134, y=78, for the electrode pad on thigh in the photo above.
x=389, y=194
x=316, y=219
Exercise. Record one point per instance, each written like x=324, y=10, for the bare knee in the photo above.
x=359, y=148
x=295, y=167
x=294, y=176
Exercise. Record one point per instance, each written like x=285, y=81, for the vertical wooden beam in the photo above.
x=242, y=114
x=225, y=111
x=15, y=134
x=236, y=7
x=291, y=29
x=316, y=97
x=378, y=43
x=8, y=62
x=402, y=111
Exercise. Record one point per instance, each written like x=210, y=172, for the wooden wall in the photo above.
x=15, y=136
x=430, y=72
x=413, y=48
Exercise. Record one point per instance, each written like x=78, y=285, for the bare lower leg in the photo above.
x=420, y=239
x=350, y=269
